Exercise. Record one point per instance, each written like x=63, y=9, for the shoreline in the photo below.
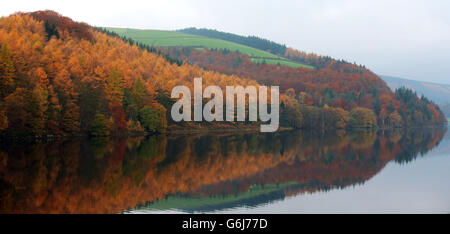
x=195, y=131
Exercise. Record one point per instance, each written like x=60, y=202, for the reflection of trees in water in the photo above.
x=416, y=143
x=110, y=175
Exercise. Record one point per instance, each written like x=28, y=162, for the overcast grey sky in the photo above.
x=405, y=38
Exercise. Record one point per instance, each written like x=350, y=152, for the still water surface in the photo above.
x=289, y=172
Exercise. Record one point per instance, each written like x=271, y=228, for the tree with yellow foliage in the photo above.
x=362, y=118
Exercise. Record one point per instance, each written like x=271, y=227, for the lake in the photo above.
x=395, y=171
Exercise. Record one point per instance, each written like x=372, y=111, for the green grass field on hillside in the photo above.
x=280, y=62
x=161, y=38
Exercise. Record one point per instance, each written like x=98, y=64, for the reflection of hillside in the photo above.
x=255, y=196
x=113, y=175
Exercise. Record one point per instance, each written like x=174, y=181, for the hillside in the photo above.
x=160, y=38
x=311, y=92
x=251, y=41
x=289, y=55
x=61, y=77
x=438, y=93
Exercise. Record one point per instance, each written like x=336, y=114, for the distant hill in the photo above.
x=438, y=93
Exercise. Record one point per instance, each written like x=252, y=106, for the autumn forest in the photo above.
x=59, y=77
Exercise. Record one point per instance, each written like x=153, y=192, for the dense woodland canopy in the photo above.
x=60, y=77
x=324, y=97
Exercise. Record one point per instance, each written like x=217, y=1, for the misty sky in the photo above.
x=405, y=38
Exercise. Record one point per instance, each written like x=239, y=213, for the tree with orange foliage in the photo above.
x=119, y=123
x=7, y=71
x=3, y=120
